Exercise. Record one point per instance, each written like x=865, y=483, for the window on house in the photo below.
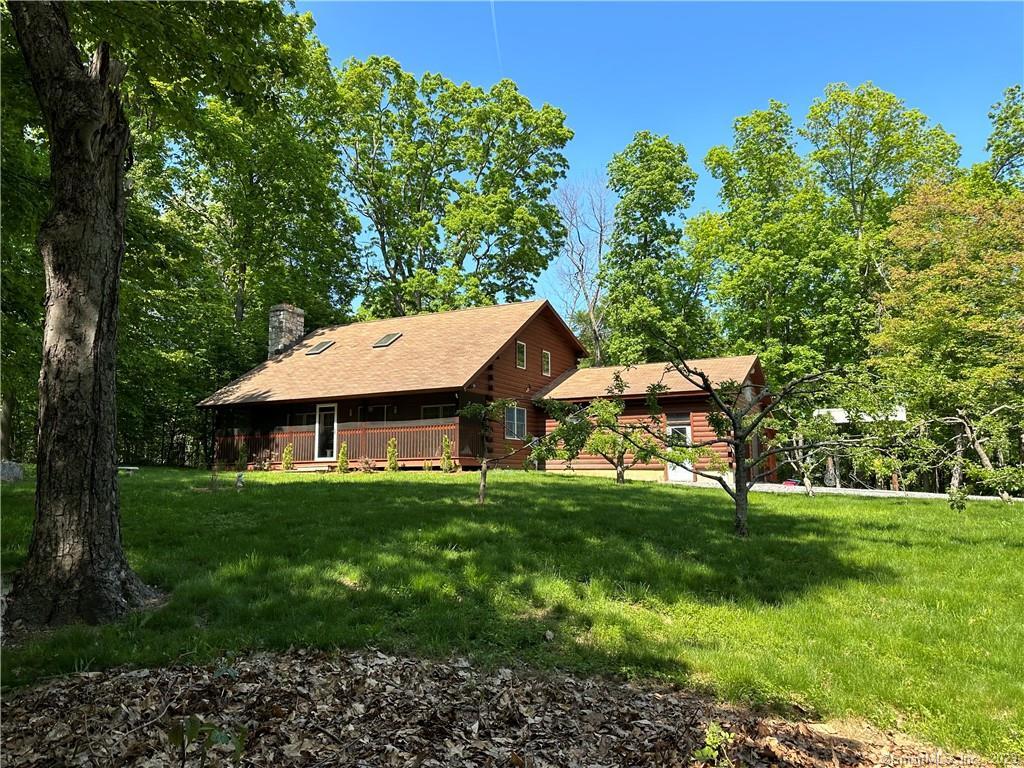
x=386, y=340
x=375, y=413
x=520, y=354
x=515, y=423
x=545, y=363
x=302, y=419
x=441, y=411
x=320, y=347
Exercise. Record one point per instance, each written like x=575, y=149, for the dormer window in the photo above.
x=521, y=354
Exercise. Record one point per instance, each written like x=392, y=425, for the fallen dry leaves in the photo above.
x=365, y=708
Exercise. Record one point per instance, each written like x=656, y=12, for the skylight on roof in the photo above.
x=386, y=341
x=320, y=347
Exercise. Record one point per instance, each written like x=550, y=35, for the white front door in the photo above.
x=326, y=429
x=680, y=473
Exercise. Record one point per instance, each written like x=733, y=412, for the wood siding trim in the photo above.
x=501, y=379
x=636, y=411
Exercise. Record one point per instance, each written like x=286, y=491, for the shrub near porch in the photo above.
x=898, y=611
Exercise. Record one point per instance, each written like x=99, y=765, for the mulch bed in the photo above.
x=306, y=708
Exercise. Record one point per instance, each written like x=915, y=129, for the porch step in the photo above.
x=312, y=468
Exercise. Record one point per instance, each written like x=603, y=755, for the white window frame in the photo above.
x=423, y=409
x=680, y=473
x=545, y=362
x=316, y=437
x=523, y=345
x=515, y=420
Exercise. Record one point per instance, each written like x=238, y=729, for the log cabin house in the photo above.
x=683, y=409
x=406, y=378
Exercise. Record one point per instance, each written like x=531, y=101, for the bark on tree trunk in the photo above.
x=482, y=494
x=240, y=293
x=595, y=329
x=808, y=486
x=832, y=473
x=76, y=568
x=6, y=422
x=620, y=471
x=740, y=500
x=979, y=448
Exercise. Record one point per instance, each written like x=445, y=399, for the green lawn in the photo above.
x=899, y=611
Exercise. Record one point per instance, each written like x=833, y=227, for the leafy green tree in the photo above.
x=653, y=286
x=869, y=150
x=269, y=213
x=952, y=334
x=1006, y=143
x=451, y=185
x=214, y=106
x=170, y=63
x=24, y=197
x=784, y=283
x=485, y=416
x=597, y=429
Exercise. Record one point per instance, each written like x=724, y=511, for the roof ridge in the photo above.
x=427, y=314
x=624, y=366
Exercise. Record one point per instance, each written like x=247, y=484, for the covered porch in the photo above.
x=257, y=436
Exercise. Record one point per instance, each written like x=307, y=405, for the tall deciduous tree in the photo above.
x=952, y=335
x=1006, y=142
x=587, y=216
x=869, y=149
x=654, y=287
x=219, y=92
x=76, y=567
x=451, y=183
x=24, y=198
x=784, y=282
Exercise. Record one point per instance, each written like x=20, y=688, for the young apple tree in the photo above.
x=745, y=417
x=486, y=414
x=597, y=429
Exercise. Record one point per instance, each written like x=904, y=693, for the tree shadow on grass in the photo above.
x=418, y=566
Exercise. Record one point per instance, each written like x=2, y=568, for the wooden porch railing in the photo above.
x=418, y=441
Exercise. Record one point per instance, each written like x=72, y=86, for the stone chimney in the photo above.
x=287, y=326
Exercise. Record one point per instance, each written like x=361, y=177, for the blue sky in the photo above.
x=689, y=69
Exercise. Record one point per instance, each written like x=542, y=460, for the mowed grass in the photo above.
x=899, y=611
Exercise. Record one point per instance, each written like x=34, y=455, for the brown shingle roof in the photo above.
x=587, y=383
x=441, y=351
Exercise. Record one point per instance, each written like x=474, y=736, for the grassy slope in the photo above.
x=899, y=611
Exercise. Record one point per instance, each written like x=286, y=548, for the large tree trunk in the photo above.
x=76, y=568
x=832, y=472
x=6, y=422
